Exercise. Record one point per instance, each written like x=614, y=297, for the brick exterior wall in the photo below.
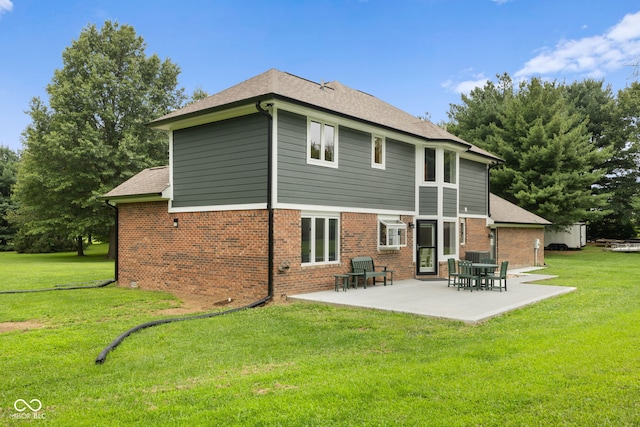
x=516, y=245
x=219, y=254
x=225, y=254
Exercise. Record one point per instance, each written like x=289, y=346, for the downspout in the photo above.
x=494, y=248
x=115, y=208
x=271, y=250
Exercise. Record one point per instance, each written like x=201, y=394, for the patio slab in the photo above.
x=433, y=298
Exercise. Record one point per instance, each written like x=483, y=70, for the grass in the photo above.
x=571, y=360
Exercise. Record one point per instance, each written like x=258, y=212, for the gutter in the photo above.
x=271, y=250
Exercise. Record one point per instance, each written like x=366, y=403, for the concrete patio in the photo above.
x=433, y=298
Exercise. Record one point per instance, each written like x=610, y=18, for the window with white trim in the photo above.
x=320, y=239
x=322, y=144
x=429, y=164
x=463, y=231
x=378, y=148
x=450, y=161
x=392, y=233
x=449, y=238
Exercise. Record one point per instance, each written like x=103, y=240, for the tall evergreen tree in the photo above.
x=611, y=123
x=92, y=136
x=550, y=162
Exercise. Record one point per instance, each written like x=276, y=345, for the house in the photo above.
x=517, y=235
x=274, y=184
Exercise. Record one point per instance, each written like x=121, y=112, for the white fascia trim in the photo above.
x=476, y=216
x=222, y=114
x=220, y=208
x=169, y=190
x=316, y=208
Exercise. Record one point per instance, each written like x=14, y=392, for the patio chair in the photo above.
x=466, y=277
x=453, y=274
x=501, y=277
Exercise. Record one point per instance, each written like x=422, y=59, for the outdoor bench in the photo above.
x=365, y=268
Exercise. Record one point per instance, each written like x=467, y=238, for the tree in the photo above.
x=92, y=136
x=611, y=123
x=8, y=172
x=550, y=162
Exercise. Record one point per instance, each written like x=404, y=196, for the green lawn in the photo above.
x=570, y=360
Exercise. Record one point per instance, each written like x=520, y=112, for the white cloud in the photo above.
x=465, y=86
x=5, y=6
x=591, y=56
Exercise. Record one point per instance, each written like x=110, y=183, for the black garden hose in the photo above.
x=102, y=284
x=103, y=354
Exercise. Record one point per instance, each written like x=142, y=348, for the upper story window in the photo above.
x=378, y=148
x=429, y=164
x=450, y=161
x=322, y=145
x=440, y=165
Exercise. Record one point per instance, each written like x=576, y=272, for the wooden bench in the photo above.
x=364, y=267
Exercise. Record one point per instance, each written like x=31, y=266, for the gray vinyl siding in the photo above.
x=354, y=183
x=473, y=187
x=221, y=163
x=450, y=202
x=428, y=201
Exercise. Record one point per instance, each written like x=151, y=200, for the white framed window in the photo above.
x=463, y=231
x=378, y=151
x=322, y=143
x=320, y=243
x=392, y=233
x=449, y=238
x=450, y=170
x=429, y=164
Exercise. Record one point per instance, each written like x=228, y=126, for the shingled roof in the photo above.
x=148, y=185
x=503, y=211
x=332, y=96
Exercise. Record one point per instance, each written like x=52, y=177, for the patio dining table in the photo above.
x=482, y=269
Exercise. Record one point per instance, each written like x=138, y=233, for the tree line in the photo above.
x=570, y=151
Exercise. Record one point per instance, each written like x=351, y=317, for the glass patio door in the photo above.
x=426, y=247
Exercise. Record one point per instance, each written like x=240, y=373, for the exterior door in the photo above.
x=426, y=247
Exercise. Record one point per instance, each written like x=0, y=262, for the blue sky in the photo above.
x=418, y=55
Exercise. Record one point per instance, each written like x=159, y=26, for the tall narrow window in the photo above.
x=450, y=167
x=449, y=235
x=429, y=164
x=322, y=143
x=320, y=239
x=377, y=152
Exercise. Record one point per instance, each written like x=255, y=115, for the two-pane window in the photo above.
x=449, y=165
x=320, y=239
x=322, y=143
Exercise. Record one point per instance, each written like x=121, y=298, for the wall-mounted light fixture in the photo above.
x=175, y=222
x=412, y=225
